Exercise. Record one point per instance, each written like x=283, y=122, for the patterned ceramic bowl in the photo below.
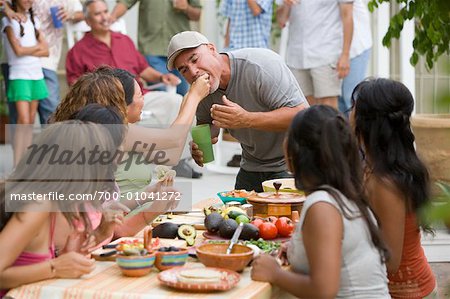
x=169, y=259
x=135, y=266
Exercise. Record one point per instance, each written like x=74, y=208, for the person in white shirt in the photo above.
x=24, y=44
x=318, y=49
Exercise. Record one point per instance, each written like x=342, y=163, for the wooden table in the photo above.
x=106, y=281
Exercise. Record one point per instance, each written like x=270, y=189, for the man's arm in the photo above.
x=343, y=64
x=119, y=10
x=232, y=116
x=193, y=13
x=283, y=12
x=254, y=7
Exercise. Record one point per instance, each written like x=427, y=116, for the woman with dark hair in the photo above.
x=336, y=250
x=397, y=181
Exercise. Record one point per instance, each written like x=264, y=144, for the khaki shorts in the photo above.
x=320, y=82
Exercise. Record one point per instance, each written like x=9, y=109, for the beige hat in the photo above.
x=182, y=41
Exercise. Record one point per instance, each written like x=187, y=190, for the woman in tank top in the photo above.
x=336, y=250
x=27, y=224
x=397, y=181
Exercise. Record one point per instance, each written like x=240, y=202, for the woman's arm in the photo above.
x=283, y=13
x=322, y=236
x=389, y=205
x=17, y=48
x=172, y=139
x=16, y=237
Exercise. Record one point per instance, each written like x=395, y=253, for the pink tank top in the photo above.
x=28, y=258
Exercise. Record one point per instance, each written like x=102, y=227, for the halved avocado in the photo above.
x=188, y=233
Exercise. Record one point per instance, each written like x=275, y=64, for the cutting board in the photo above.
x=164, y=243
x=196, y=219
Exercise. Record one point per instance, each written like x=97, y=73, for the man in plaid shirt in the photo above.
x=249, y=23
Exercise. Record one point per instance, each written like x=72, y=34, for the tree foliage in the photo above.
x=432, y=27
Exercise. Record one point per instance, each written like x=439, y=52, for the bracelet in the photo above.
x=161, y=78
x=52, y=268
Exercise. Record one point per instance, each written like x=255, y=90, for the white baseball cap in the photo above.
x=182, y=41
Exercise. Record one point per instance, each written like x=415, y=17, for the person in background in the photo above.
x=360, y=51
x=397, y=181
x=318, y=49
x=253, y=94
x=24, y=43
x=249, y=23
x=69, y=11
x=158, y=21
x=336, y=250
x=248, y=26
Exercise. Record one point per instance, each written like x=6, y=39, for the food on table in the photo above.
x=249, y=231
x=232, y=212
x=167, y=230
x=227, y=228
x=257, y=222
x=169, y=249
x=285, y=226
x=164, y=172
x=266, y=246
x=188, y=233
x=200, y=275
x=211, y=209
x=131, y=248
x=238, y=193
x=242, y=218
x=212, y=222
x=268, y=231
x=272, y=219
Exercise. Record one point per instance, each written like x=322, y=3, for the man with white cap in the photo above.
x=253, y=95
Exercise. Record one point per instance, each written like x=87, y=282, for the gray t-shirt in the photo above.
x=260, y=82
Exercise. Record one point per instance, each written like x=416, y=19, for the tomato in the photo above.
x=268, y=231
x=272, y=219
x=285, y=226
x=257, y=222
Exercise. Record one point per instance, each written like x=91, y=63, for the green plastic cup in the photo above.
x=201, y=135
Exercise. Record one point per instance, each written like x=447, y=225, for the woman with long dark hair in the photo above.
x=336, y=250
x=397, y=181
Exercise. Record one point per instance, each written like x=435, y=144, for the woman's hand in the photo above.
x=170, y=79
x=72, y=265
x=112, y=216
x=200, y=88
x=265, y=268
x=282, y=253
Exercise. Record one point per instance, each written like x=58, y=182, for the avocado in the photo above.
x=235, y=214
x=167, y=230
x=212, y=222
x=187, y=232
x=249, y=232
x=211, y=209
x=227, y=228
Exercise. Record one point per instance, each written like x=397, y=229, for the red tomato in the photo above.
x=268, y=231
x=257, y=222
x=285, y=226
x=272, y=219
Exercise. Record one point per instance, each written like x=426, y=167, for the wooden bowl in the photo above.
x=214, y=255
x=166, y=260
x=134, y=265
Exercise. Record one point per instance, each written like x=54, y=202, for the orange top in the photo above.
x=414, y=278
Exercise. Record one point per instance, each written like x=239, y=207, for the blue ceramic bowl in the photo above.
x=225, y=199
x=167, y=260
